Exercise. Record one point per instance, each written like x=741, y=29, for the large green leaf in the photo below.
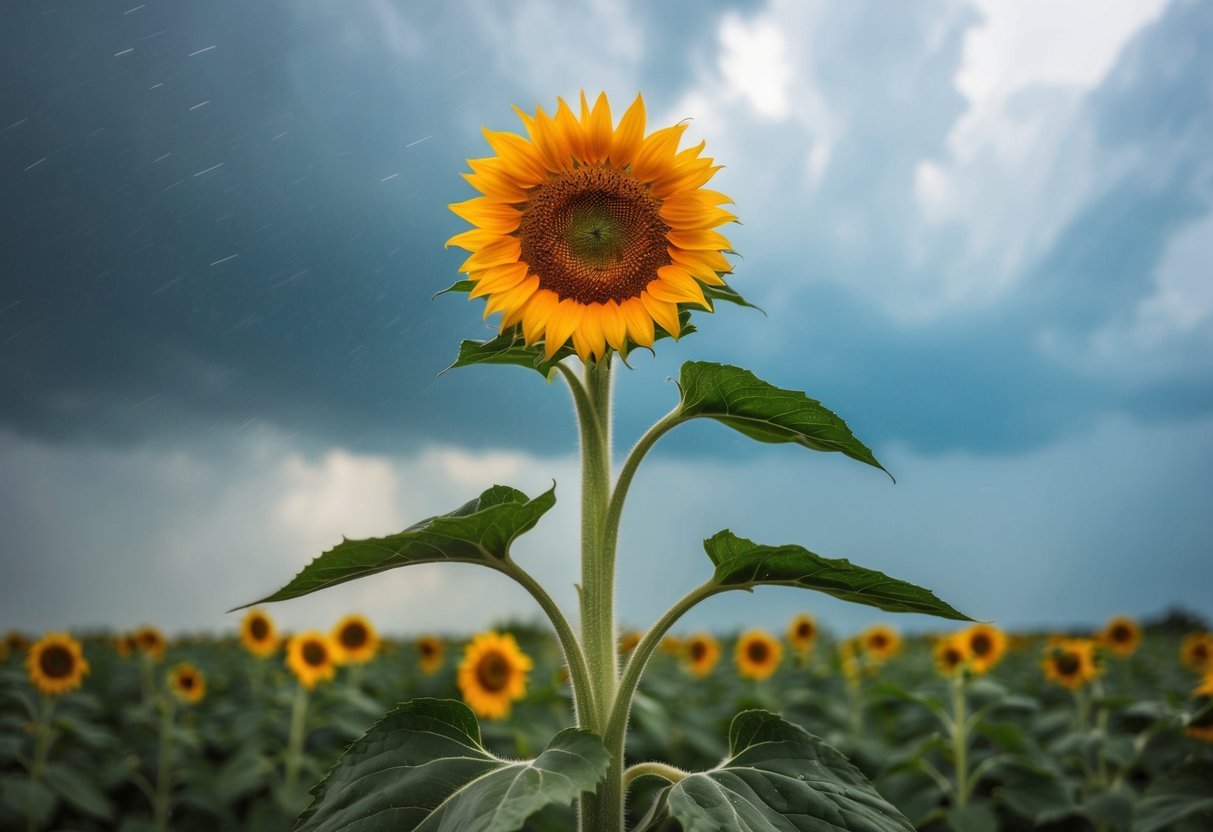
x=778, y=778
x=739, y=399
x=423, y=767
x=742, y=564
x=1179, y=795
x=479, y=531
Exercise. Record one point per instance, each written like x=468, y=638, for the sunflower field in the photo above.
x=974, y=729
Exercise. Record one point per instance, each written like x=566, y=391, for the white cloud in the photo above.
x=754, y=64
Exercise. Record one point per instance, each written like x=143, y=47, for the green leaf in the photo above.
x=479, y=531
x=1176, y=796
x=778, y=778
x=78, y=791
x=423, y=767
x=976, y=817
x=727, y=294
x=739, y=399
x=33, y=800
x=459, y=286
x=1034, y=792
x=742, y=564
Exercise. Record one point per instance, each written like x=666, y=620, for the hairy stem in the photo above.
x=665, y=771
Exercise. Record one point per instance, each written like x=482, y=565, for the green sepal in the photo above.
x=737, y=398
x=741, y=564
x=778, y=777
x=727, y=294
x=459, y=287
x=423, y=768
x=478, y=531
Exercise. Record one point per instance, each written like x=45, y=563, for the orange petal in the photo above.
x=570, y=127
x=614, y=327
x=563, y=322
x=473, y=240
x=699, y=239
x=629, y=135
x=497, y=253
x=638, y=320
x=498, y=279
x=512, y=298
x=690, y=214
x=488, y=214
x=663, y=312
x=536, y=313
x=491, y=177
x=598, y=129
x=703, y=263
x=657, y=153
x=590, y=330
x=519, y=156
x=667, y=292
x=552, y=143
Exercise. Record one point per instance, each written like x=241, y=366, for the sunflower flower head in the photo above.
x=802, y=632
x=1121, y=636
x=757, y=654
x=1196, y=651
x=355, y=639
x=258, y=635
x=493, y=674
x=951, y=654
x=986, y=646
x=430, y=650
x=311, y=656
x=56, y=664
x=880, y=642
x=187, y=683
x=592, y=232
x=1201, y=725
x=701, y=653
x=150, y=641
x=1071, y=662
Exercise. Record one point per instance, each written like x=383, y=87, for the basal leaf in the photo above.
x=739, y=399
x=778, y=778
x=423, y=767
x=481, y=530
x=742, y=563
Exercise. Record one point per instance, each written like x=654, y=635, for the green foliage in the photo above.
x=741, y=564
x=778, y=777
x=479, y=531
x=423, y=767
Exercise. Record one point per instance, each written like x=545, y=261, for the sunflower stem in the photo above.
x=294, y=747
x=42, y=746
x=164, y=767
x=665, y=771
x=960, y=741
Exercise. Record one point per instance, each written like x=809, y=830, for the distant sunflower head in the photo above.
x=1071, y=662
x=1196, y=651
x=430, y=650
x=311, y=656
x=986, y=647
x=802, y=632
x=951, y=654
x=757, y=654
x=1201, y=725
x=16, y=641
x=187, y=683
x=56, y=664
x=591, y=231
x=493, y=674
x=258, y=634
x=671, y=645
x=355, y=639
x=124, y=645
x=628, y=640
x=1121, y=635
x=880, y=642
x=701, y=652
x=150, y=641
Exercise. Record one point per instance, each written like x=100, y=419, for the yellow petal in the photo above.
x=491, y=177
x=564, y=320
x=497, y=253
x=498, y=279
x=629, y=135
x=683, y=178
x=683, y=284
x=511, y=298
x=699, y=239
x=663, y=312
x=638, y=320
x=571, y=129
x=473, y=240
x=689, y=215
x=519, y=156
x=590, y=330
x=703, y=264
x=657, y=153
x=614, y=327
x=552, y=143
x=598, y=129
x=582, y=345
x=488, y=214
x=536, y=313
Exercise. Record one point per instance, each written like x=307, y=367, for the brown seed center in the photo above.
x=187, y=681
x=1067, y=664
x=1121, y=634
x=259, y=628
x=699, y=650
x=593, y=234
x=493, y=672
x=427, y=648
x=758, y=652
x=353, y=636
x=879, y=641
x=981, y=644
x=804, y=629
x=57, y=662
x=314, y=654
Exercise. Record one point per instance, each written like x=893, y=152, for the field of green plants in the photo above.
x=137, y=745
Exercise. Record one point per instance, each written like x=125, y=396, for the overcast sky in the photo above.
x=982, y=232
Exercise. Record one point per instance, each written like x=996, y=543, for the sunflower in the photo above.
x=430, y=650
x=56, y=664
x=1196, y=651
x=356, y=640
x=150, y=642
x=1121, y=635
x=493, y=674
x=590, y=232
x=879, y=642
x=671, y=645
x=1201, y=726
x=1071, y=662
x=701, y=652
x=124, y=645
x=802, y=632
x=628, y=640
x=986, y=647
x=16, y=641
x=757, y=654
x=951, y=653
x=311, y=656
x=258, y=635
x=187, y=683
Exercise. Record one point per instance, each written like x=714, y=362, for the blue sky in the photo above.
x=981, y=232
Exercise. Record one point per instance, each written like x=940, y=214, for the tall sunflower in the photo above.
x=355, y=639
x=150, y=641
x=1121, y=635
x=701, y=652
x=951, y=654
x=258, y=634
x=187, y=683
x=1196, y=651
x=758, y=654
x=493, y=674
x=880, y=642
x=802, y=632
x=430, y=650
x=311, y=657
x=986, y=646
x=1071, y=662
x=592, y=232
x=56, y=664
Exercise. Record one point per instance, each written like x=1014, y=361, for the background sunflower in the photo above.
x=757, y=654
x=355, y=639
x=702, y=652
x=187, y=683
x=493, y=674
x=56, y=664
x=258, y=634
x=311, y=657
